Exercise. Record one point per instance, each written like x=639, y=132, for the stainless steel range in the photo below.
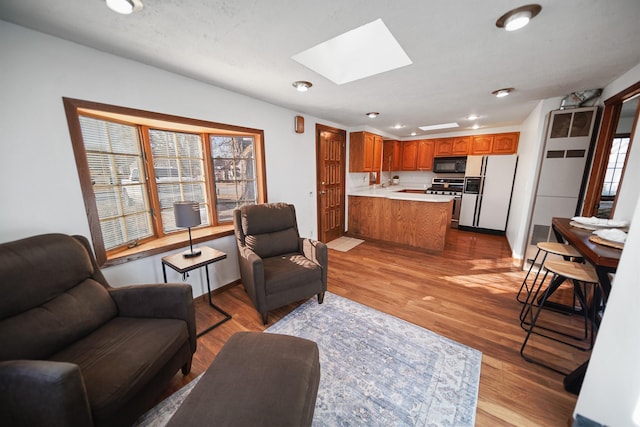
x=450, y=187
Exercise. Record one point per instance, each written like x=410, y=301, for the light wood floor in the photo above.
x=467, y=293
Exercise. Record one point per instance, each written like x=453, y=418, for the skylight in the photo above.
x=363, y=52
x=440, y=126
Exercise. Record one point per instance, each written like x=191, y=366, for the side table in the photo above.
x=183, y=265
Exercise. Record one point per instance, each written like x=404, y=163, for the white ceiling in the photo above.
x=459, y=56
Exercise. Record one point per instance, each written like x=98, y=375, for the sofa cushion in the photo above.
x=41, y=331
x=123, y=356
x=285, y=272
x=37, y=269
x=272, y=244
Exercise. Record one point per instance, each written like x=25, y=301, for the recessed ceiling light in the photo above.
x=302, y=86
x=362, y=52
x=398, y=126
x=124, y=7
x=501, y=93
x=439, y=126
x=475, y=126
x=413, y=134
x=519, y=17
x=472, y=117
x=373, y=114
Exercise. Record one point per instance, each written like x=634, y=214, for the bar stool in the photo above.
x=546, y=248
x=583, y=276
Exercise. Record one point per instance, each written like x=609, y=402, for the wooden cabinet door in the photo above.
x=391, y=155
x=482, y=144
x=460, y=145
x=425, y=155
x=443, y=147
x=356, y=152
x=506, y=143
x=409, y=156
x=376, y=152
x=367, y=154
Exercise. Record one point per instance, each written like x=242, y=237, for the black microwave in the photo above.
x=449, y=164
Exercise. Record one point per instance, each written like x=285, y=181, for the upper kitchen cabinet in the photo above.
x=425, y=155
x=409, y=156
x=449, y=147
x=391, y=155
x=365, y=152
x=500, y=143
x=481, y=144
x=417, y=155
x=505, y=143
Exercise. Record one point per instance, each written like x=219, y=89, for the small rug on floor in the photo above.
x=376, y=369
x=344, y=244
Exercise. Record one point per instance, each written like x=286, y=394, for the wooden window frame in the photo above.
x=610, y=118
x=161, y=242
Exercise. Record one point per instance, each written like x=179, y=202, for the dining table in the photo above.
x=604, y=259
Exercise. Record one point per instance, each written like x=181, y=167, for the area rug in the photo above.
x=376, y=369
x=344, y=244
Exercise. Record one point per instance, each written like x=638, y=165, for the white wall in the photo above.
x=37, y=163
x=530, y=151
x=610, y=394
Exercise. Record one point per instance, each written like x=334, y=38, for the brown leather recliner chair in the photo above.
x=277, y=266
x=75, y=351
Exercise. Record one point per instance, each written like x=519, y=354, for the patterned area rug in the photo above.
x=376, y=369
x=344, y=244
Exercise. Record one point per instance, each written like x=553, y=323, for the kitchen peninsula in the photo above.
x=402, y=216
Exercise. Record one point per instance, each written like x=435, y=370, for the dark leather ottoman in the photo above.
x=257, y=379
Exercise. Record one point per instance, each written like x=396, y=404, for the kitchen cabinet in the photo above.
x=365, y=152
x=481, y=144
x=409, y=155
x=417, y=155
x=425, y=155
x=451, y=147
x=505, y=143
x=391, y=155
x=499, y=143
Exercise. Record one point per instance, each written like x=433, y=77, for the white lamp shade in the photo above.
x=187, y=214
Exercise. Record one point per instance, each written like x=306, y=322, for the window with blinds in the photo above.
x=134, y=165
x=178, y=166
x=234, y=173
x=114, y=157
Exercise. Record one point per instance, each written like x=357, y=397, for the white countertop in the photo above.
x=393, y=192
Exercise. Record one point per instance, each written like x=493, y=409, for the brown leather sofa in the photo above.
x=75, y=351
x=277, y=266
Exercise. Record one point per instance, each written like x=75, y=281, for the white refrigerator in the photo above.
x=486, y=198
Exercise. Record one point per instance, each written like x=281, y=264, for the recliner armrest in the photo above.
x=252, y=273
x=169, y=300
x=42, y=393
x=316, y=251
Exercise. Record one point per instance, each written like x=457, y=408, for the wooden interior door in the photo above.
x=330, y=185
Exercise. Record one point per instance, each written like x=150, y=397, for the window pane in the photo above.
x=115, y=161
x=178, y=163
x=234, y=174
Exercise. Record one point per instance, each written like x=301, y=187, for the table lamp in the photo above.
x=187, y=214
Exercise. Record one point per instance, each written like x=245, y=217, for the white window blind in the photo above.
x=114, y=158
x=178, y=164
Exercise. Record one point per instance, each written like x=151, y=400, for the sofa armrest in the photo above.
x=252, y=275
x=42, y=393
x=170, y=300
x=317, y=252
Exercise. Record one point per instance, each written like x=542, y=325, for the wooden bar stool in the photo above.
x=583, y=277
x=546, y=248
